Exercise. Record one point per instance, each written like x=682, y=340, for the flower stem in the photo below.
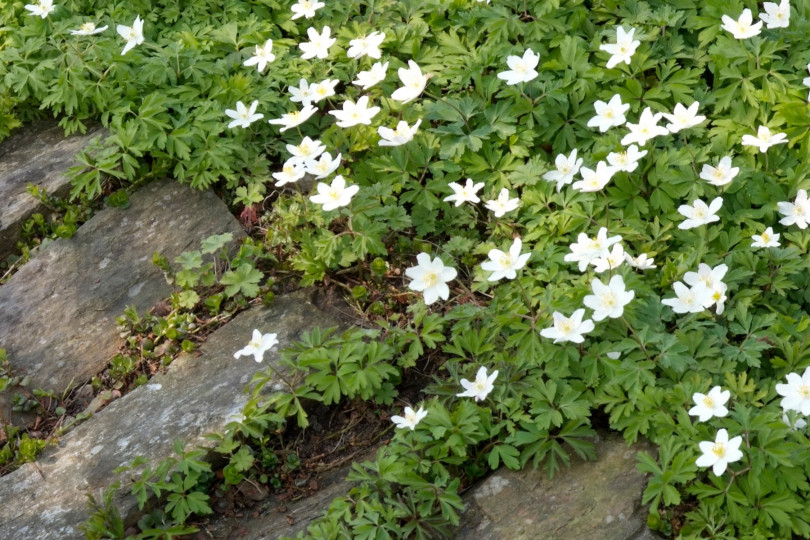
x=638, y=339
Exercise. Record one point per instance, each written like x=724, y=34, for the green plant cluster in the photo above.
x=164, y=105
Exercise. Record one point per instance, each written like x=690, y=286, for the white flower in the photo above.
x=683, y=118
x=712, y=279
x=626, y=161
x=688, y=299
x=642, y=262
x=43, y=8
x=706, y=274
x=797, y=212
x=520, y=69
x=481, y=386
x=295, y=118
x=721, y=452
x=764, y=139
x=355, y=113
x=502, y=204
x=710, y=405
x=646, y=129
x=567, y=167
x=260, y=344
x=720, y=175
x=322, y=167
x=610, y=114
x=776, y=16
x=334, y=195
x=262, y=56
x=767, y=239
x=410, y=419
x=465, y=193
x=623, y=49
x=413, y=83
x=594, y=180
x=367, y=79
x=305, y=8
x=323, y=89
x=88, y=29
x=318, y=44
x=611, y=261
x=292, y=171
x=742, y=27
x=608, y=300
x=585, y=250
x=133, y=34
x=430, y=277
x=568, y=328
x=506, y=265
x=366, y=46
x=302, y=93
x=796, y=392
x=243, y=116
x=699, y=213
x=306, y=149
x=396, y=137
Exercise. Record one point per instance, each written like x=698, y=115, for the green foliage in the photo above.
x=164, y=103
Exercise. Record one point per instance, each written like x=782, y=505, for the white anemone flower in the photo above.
x=624, y=48
x=411, y=418
x=481, y=386
x=720, y=453
x=334, y=195
x=708, y=406
x=503, y=204
x=608, y=300
x=521, y=69
x=699, y=213
x=506, y=264
x=413, y=82
x=259, y=344
x=610, y=114
x=568, y=328
x=430, y=278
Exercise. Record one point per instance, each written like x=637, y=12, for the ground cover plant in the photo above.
x=571, y=210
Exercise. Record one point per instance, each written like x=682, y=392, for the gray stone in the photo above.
x=591, y=499
x=57, y=313
x=199, y=394
x=37, y=154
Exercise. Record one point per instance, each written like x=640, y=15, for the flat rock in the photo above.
x=57, y=313
x=36, y=154
x=591, y=499
x=198, y=394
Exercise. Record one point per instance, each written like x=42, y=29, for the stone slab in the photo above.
x=57, y=313
x=199, y=394
x=591, y=499
x=34, y=154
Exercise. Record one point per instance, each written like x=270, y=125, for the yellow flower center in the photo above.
x=804, y=391
x=709, y=402
x=719, y=449
x=430, y=278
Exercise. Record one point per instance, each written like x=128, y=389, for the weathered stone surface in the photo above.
x=199, y=393
x=36, y=154
x=57, y=313
x=594, y=499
